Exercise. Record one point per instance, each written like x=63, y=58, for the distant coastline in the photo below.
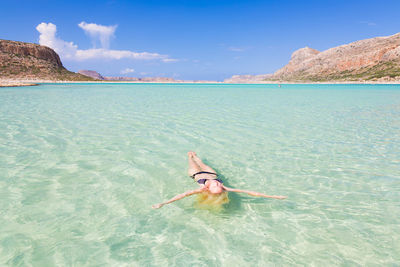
x=19, y=83
x=369, y=61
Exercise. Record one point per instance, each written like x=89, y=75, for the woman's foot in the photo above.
x=192, y=154
x=193, y=167
x=197, y=159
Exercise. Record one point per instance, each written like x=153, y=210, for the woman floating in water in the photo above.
x=211, y=187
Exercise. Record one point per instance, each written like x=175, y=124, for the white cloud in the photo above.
x=236, y=49
x=127, y=70
x=48, y=38
x=69, y=50
x=369, y=23
x=169, y=60
x=101, y=32
x=101, y=53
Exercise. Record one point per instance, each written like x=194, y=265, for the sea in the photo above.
x=82, y=164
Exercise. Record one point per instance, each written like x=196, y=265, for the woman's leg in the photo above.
x=193, y=166
x=203, y=167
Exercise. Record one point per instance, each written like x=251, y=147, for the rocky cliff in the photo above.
x=375, y=59
x=27, y=61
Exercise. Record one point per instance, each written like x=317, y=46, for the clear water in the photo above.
x=81, y=165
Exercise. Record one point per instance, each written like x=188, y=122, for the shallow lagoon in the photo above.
x=81, y=165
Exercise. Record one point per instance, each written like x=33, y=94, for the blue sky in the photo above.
x=192, y=39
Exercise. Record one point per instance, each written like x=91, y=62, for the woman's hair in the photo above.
x=207, y=200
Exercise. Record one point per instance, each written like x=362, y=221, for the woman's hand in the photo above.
x=157, y=206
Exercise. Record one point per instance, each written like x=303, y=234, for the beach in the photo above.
x=16, y=83
x=81, y=164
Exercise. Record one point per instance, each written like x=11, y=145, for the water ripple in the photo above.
x=81, y=165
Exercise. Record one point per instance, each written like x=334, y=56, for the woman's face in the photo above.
x=214, y=187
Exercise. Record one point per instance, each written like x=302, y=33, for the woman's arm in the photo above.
x=251, y=193
x=180, y=196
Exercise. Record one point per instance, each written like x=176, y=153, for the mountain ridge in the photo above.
x=366, y=59
x=369, y=60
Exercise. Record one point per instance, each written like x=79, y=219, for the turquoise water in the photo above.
x=81, y=165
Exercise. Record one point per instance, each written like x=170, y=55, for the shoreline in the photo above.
x=17, y=83
x=21, y=82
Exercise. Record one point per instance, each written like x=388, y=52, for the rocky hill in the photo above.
x=248, y=78
x=375, y=59
x=27, y=61
x=91, y=73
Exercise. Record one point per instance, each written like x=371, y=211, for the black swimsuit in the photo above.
x=203, y=181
